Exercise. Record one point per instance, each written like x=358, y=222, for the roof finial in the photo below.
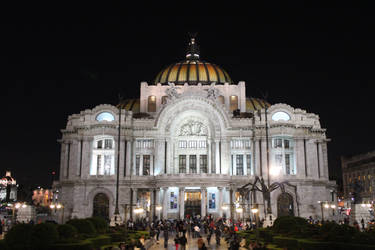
x=192, y=51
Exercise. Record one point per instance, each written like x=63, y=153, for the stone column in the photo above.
x=244, y=164
x=128, y=157
x=234, y=164
x=217, y=156
x=187, y=164
x=158, y=203
x=204, y=201
x=165, y=203
x=152, y=203
x=220, y=201
x=181, y=204
x=140, y=165
x=209, y=162
x=151, y=164
x=198, y=165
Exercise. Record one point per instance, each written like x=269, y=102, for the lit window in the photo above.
x=105, y=116
x=283, y=155
x=102, y=161
x=233, y=102
x=152, y=103
x=164, y=99
x=221, y=99
x=280, y=116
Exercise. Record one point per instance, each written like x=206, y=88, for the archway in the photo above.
x=101, y=206
x=285, y=205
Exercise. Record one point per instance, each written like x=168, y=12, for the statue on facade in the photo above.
x=212, y=92
x=171, y=92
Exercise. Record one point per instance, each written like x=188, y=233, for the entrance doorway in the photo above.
x=101, y=206
x=285, y=205
x=192, y=203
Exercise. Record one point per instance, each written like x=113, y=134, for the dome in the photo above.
x=192, y=70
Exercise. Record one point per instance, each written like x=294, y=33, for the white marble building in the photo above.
x=187, y=145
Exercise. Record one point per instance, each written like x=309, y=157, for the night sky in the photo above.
x=320, y=60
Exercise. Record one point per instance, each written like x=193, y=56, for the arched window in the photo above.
x=105, y=116
x=101, y=206
x=103, y=156
x=221, y=99
x=151, y=104
x=280, y=116
x=233, y=102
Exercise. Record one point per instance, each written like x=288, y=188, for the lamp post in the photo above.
x=55, y=207
x=255, y=211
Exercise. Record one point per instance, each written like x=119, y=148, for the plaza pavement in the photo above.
x=191, y=244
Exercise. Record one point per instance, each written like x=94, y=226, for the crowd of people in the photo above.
x=196, y=228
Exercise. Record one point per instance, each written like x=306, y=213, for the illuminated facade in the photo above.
x=8, y=188
x=187, y=145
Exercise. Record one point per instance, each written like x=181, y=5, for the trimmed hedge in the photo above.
x=83, y=226
x=100, y=240
x=66, y=231
x=99, y=223
x=289, y=243
x=19, y=236
x=43, y=236
x=82, y=245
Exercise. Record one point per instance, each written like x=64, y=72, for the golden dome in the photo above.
x=193, y=70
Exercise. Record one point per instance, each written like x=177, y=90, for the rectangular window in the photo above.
x=146, y=165
x=248, y=164
x=164, y=99
x=286, y=144
x=279, y=160
x=100, y=144
x=151, y=103
x=287, y=164
x=182, y=164
x=193, y=164
x=107, y=143
x=203, y=163
x=99, y=165
x=239, y=164
x=107, y=164
x=233, y=102
x=278, y=143
x=137, y=164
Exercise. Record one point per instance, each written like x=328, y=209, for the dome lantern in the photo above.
x=193, y=70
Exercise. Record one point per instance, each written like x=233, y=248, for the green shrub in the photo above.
x=117, y=237
x=291, y=225
x=82, y=245
x=100, y=240
x=313, y=245
x=83, y=226
x=265, y=234
x=99, y=223
x=289, y=243
x=66, y=231
x=3, y=245
x=19, y=236
x=44, y=235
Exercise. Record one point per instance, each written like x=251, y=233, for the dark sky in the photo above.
x=320, y=60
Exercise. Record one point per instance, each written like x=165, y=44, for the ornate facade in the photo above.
x=187, y=146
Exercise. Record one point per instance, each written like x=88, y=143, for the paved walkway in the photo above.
x=191, y=245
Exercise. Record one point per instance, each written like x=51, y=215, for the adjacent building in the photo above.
x=358, y=177
x=187, y=145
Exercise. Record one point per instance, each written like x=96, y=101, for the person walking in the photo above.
x=166, y=237
x=217, y=235
x=183, y=242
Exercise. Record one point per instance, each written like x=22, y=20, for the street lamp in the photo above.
x=255, y=211
x=58, y=206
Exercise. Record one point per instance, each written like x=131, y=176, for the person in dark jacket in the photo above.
x=166, y=237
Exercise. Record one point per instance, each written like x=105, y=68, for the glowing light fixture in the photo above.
x=18, y=205
x=326, y=206
x=254, y=210
x=105, y=116
x=239, y=210
x=138, y=210
x=275, y=170
x=333, y=206
x=158, y=207
x=280, y=116
x=224, y=207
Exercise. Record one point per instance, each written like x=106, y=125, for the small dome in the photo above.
x=192, y=70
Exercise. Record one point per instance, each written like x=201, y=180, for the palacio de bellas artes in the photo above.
x=193, y=144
